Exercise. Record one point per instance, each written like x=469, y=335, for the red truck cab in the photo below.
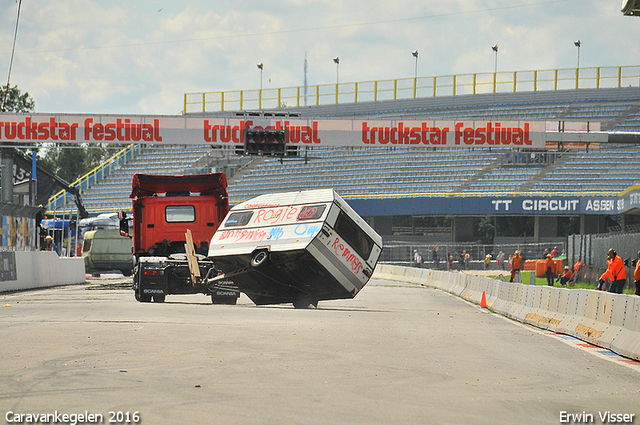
x=164, y=208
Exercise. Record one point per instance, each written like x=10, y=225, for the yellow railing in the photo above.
x=408, y=88
x=92, y=177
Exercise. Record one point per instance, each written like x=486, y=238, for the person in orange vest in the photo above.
x=615, y=272
x=636, y=275
x=516, y=265
x=576, y=270
x=548, y=267
x=566, y=276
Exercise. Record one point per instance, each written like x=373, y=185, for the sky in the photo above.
x=140, y=57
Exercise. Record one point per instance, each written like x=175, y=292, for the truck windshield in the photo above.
x=180, y=213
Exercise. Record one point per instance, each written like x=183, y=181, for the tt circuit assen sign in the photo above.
x=498, y=205
x=63, y=128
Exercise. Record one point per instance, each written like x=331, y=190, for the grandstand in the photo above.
x=396, y=172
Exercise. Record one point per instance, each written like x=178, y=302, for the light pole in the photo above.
x=495, y=49
x=336, y=60
x=415, y=55
x=578, y=43
x=260, y=67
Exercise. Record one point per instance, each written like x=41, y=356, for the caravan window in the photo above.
x=311, y=212
x=180, y=213
x=353, y=235
x=238, y=219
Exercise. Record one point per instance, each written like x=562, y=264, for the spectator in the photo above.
x=450, y=263
x=554, y=252
x=434, y=257
x=467, y=261
x=548, y=269
x=516, y=265
x=461, y=259
x=417, y=258
x=48, y=243
x=565, y=277
x=615, y=272
x=500, y=260
x=636, y=275
x=487, y=261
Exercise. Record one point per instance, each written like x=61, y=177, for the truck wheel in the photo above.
x=260, y=258
x=158, y=298
x=305, y=302
x=223, y=300
x=143, y=298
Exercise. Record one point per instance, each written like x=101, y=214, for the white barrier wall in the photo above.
x=600, y=318
x=39, y=269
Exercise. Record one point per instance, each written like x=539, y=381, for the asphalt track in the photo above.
x=396, y=354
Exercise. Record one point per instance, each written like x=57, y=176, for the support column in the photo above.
x=462, y=229
x=591, y=224
x=7, y=174
x=545, y=227
x=383, y=225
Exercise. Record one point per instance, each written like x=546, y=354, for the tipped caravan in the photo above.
x=296, y=247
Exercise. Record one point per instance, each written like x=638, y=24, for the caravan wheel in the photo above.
x=260, y=258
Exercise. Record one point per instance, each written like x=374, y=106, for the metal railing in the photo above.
x=94, y=176
x=411, y=88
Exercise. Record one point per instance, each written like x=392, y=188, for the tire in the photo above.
x=224, y=300
x=260, y=258
x=143, y=298
x=158, y=298
x=138, y=293
x=305, y=302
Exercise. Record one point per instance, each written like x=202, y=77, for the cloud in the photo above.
x=140, y=57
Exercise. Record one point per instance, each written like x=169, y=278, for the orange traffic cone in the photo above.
x=483, y=300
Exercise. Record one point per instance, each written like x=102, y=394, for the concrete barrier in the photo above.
x=627, y=342
x=39, y=269
x=600, y=318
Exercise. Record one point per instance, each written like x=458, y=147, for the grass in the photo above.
x=542, y=281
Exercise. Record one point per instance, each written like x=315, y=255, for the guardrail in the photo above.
x=94, y=176
x=600, y=318
x=411, y=88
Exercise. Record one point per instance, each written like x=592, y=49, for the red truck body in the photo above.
x=164, y=207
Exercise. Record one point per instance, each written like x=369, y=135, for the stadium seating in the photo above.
x=400, y=171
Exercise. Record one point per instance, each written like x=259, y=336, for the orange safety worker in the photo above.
x=576, y=270
x=548, y=267
x=615, y=272
x=566, y=276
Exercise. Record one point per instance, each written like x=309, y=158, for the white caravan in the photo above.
x=296, y=247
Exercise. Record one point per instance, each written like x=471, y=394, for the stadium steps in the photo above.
x=559, y=162
x=244, y=169
x=611, y=124
x=465, y=187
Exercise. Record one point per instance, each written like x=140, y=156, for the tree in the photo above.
x=70, y=161
x=11, y=100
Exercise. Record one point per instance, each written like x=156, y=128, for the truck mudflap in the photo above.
x=150, y=279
